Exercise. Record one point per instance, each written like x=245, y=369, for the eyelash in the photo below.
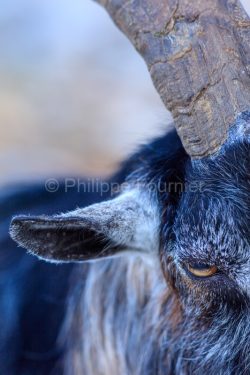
x=186, y=266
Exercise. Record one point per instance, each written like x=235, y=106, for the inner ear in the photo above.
x=62, y=238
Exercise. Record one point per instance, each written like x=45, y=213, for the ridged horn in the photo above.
x=198, y=55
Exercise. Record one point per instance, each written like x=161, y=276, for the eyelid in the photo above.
x=202, y=272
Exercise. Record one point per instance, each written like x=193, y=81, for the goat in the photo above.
x=155, y=280
x=182, y=306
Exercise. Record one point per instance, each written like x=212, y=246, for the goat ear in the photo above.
x=129, y=222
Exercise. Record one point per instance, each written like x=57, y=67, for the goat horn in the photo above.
x=198, y=55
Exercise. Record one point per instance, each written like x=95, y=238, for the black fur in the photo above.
x=203, y=324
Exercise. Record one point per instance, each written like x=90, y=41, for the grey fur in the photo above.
x=147, y=314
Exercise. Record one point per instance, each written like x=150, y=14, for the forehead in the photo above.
x=213, y=224
x=211, y=228
x=222, y=195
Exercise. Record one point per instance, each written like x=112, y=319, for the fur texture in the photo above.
x=147, y=314
x=143, y=325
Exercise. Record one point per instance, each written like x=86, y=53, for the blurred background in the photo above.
x=75, y=98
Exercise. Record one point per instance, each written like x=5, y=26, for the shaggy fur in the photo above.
x=147, y=314
x=142, y=326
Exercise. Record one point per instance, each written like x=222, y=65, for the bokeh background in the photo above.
x=75, y=98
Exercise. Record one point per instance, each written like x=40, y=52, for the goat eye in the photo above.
x=202, y=270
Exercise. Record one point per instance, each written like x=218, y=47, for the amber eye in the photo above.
x=202, y=270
